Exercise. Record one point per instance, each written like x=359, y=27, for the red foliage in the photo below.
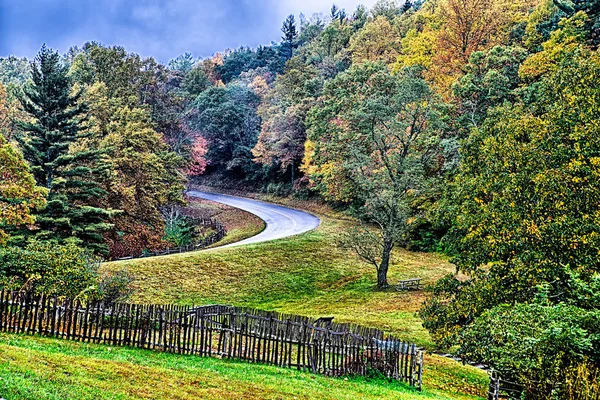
x=198, y=163
x=135, y=240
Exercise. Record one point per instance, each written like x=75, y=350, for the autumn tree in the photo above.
x=70, y=176
x=143, y=174
x=283, y=112
x=525, y=216
x=19, y=194
x=375, y=133
x=378, y=40
x=469, y=24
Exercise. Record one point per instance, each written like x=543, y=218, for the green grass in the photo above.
x=306, y=275
x=41, y=368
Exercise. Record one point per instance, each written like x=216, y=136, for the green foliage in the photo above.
x=525, y=216
x=183, y=63
x=195, y=82
x=290, y=35
x=375, y=137
x=70, y=175
x=490, y=79
x=14, y=71
x=19, y=195
x=228, y=121
x=245, y=59
x=65, y=270
x=180, y=231
x=519, y=339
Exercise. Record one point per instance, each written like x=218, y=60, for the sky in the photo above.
x=162, y=29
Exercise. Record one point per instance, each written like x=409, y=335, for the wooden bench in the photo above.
x=410, y=284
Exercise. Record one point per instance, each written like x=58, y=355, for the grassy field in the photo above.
x=306, y=275
x=40, y=368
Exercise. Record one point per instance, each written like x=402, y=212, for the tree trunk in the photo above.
x=292, y=174
x=388, y=245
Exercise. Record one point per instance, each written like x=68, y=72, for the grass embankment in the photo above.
x=239, y=224
x=307, y=275
x=40, y=368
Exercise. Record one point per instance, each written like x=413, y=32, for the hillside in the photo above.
x=307, y=275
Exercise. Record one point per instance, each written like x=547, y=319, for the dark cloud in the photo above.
x=162, y=29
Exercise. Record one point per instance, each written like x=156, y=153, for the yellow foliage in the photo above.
x=376, y=41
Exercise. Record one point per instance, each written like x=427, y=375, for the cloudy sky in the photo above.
x=159, y=28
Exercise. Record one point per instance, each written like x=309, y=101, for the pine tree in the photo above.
x=290, y=34
x=70, y=173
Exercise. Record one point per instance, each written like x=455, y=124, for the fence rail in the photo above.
x=209, y=240
x=503, y=389
x=218, y=331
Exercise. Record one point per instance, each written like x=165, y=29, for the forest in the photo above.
x=465, y=127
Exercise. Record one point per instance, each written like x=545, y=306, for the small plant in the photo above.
x=115, y=287
x=179, y=229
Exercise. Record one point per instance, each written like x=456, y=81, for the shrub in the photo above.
x=115, y=287
x=61, y=270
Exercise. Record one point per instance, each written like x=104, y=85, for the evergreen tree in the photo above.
x=290, y=34
x=70, y=173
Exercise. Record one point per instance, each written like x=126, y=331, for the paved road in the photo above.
x=280, y=221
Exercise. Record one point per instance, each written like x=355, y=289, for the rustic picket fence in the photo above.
x=218, y=331
x=209, y=240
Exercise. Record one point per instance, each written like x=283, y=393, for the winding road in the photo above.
x=280, y=221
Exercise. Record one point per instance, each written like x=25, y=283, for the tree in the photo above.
x=182, y=63
x=143, y=174
x=375, y=133
x=491, y=78
x=525, y=208
x=195, y=82
x=226, y=118
x=70, y=176
x=337, y=13
x=386, y=8
x=469, y=26
x=378, y=40
x=283, y=112
x=14, y=71
x=290, y=36
x=199, y=162
x=19, y=195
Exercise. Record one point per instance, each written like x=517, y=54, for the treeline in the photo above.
x=463, y=126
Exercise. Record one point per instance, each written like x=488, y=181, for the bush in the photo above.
x=278, y=189
x=61, y=270
x=180, y=231
x=115, y=287
x=544, y=347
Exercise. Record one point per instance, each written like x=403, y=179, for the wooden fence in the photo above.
x=218, y=331
x=503, y=389
x=209, y=240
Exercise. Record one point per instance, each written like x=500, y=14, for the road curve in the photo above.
x=280, y=222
